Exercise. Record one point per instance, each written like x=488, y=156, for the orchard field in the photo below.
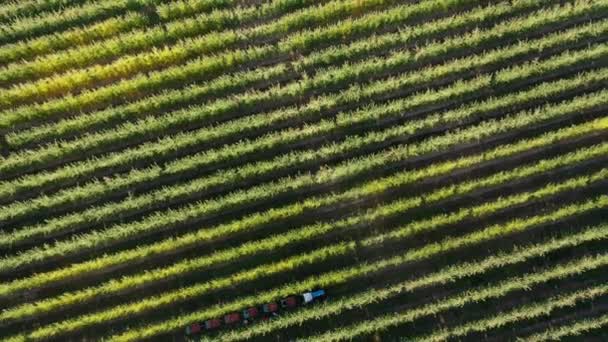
x=438, y=167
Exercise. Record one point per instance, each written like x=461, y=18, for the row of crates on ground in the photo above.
x=263, y=312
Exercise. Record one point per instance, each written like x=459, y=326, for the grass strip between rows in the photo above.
x=178, y=9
